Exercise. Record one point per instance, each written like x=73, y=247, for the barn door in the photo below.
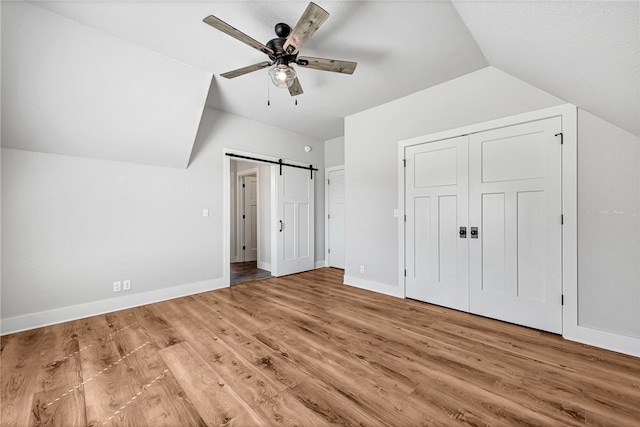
x=436, y=208
x=515, y=203
x=294, y=221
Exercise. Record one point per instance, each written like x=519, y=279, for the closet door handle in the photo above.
x=463, y=232
x=474, y=232
x=281, y=226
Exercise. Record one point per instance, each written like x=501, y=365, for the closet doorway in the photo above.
x=483, y=220
x=249, y=214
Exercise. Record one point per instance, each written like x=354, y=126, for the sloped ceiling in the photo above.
x=585, y=52
x=69, y=89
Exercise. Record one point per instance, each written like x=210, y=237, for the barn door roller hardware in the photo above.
x=280, y=163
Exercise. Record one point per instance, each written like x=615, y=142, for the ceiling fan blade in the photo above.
x=312, y=18
x=245, y=70
x=295, y=89
x=345, y=67
x=236, y=34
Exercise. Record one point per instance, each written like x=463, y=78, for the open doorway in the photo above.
x=250, y=218
x=286, y=233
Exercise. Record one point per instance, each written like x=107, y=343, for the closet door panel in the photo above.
x=515, y=201
x=436, y=202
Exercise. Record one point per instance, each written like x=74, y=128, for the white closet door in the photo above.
x=335, y=189
x=294, y=214
x=436, y=207
x=515, y=202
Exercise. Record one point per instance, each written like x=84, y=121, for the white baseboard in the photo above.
x=320, y=263
x=603, y=339
x=263, y=265
x=65, y=314
x=383, y=288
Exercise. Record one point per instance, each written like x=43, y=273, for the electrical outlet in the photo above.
x=126, y=285
x=117, y=286
x=362, y=269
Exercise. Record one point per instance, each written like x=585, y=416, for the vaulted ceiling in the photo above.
x=585, y=52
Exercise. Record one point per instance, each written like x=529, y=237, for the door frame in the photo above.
x=226, y=202
x=568, y=115
x=326, y=210
x=240, y=227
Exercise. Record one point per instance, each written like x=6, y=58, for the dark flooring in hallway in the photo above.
x=247, y=271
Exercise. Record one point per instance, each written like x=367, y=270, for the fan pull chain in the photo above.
x=268, y=93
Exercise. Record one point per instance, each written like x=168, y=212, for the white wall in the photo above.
x=72, y=226
x=608, y=227
x=334, y=152
x=264, y=254
x=371, y=164
x=233, y=225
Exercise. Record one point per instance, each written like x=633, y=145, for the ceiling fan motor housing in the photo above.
x=280, y=56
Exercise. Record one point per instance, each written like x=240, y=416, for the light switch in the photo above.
x=205, y=212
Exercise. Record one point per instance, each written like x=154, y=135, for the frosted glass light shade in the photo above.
x=282, y=75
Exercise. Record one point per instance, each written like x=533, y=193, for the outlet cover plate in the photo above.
x=117, y=286
x=126, y=285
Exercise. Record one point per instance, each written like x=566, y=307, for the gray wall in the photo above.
x=334, y=152
x=72, y=226
x=371, y=159
x=608, y=227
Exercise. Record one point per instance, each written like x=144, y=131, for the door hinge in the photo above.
x=562, y=299
x=242, y=216
x=242, y=185
x=328, y=251
x=329, y=216
x=404, y=163
x=405, y=217
x=244, y=248
x=561, y=137
x=405, y=272
x=328, y=182
x=562, y=219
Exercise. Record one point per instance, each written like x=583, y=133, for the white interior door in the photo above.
x=335, y=221
x=250, y=219
x=294, y=215
x=515, y=202
x=436, y=255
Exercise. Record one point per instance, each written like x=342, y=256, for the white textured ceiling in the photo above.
x=585, y=52
x=400, y=47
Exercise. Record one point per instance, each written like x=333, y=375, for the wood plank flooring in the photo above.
x=306, y=350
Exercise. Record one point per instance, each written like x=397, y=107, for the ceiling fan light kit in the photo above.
x=283, y=50
x=282, y=75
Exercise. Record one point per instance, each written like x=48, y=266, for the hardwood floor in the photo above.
x=306, y=350
x=246, y=272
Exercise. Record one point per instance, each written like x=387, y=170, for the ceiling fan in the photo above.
x=283, y=50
